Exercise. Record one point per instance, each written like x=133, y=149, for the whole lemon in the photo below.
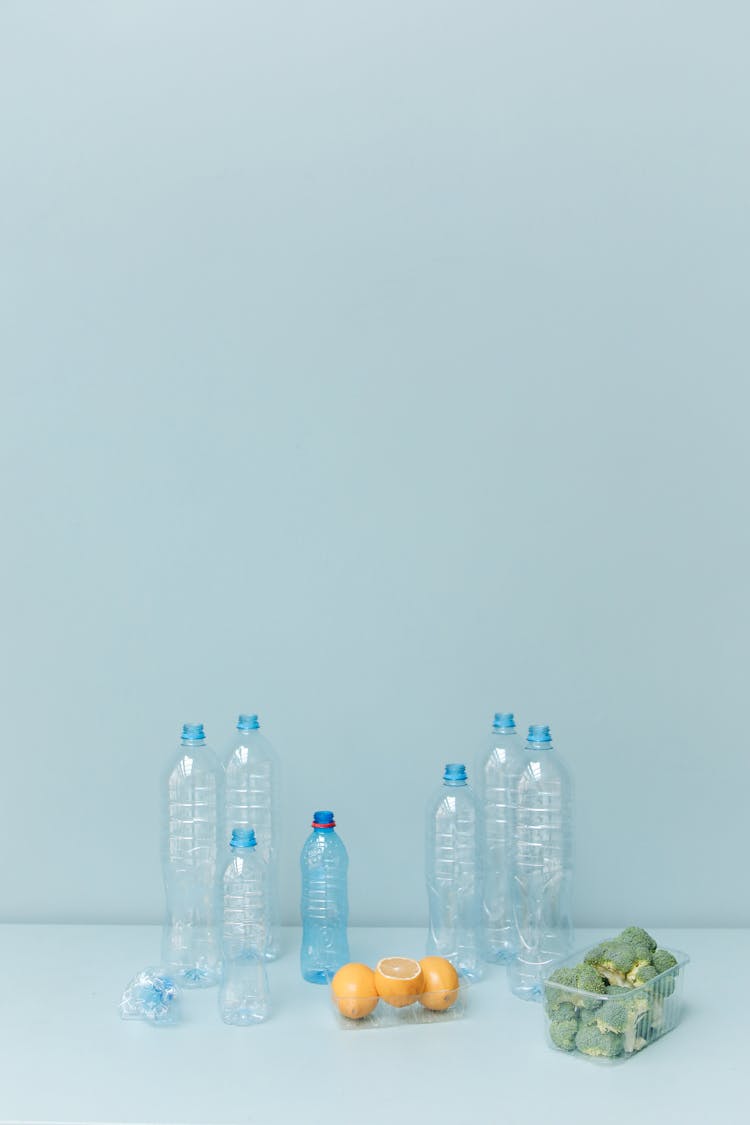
x=354, y=990
x=440, y=984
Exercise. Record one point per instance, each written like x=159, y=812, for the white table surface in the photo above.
x=66, y=1056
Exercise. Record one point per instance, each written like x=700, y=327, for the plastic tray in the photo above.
x=660, y=999
x=385, y=1015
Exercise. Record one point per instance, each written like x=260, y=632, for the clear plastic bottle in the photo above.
x=325, y=905
x=244, y=995
x=192, y=800
x=542, y=864
x=500, y=764
x=252, y=801
x=454, y=885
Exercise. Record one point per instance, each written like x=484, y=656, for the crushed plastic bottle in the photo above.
x=151, y=996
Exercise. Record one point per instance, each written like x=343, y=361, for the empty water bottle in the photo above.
x=325, y=906
x=252, y=801
x=454, y=874
x=244, y=995
x=192, y=799
x=499, y=767
x=542, y=864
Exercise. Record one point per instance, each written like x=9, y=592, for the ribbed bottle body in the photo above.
x=252, y=801
x=244, y=996
x=498, y=770
x=453, y=874
x=542, y=868
x=324, y=907
x=192, y=797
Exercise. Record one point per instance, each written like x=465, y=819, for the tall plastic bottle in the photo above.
x=453, y=872
x=325, y=905
x=252, y=801
x=542, y=864
x=244, y=995
x=499, y=766
x=192, y=800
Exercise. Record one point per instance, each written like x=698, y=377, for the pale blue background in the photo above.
x=374, y=366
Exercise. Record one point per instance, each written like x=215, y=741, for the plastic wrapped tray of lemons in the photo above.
x=399, y=990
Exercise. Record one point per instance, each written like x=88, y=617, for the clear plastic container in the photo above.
x=385, y=1015
x=650, y=1011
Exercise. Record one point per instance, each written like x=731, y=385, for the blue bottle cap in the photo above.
x=323, y=819
x=539, y=734
x=193, y=732
x=243, y=838
x=248, y=722
x=504, y=721
x=455, y=774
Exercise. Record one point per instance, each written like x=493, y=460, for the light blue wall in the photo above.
x=375, y=366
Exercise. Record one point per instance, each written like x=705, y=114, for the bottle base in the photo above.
x=198, y=978
x=243, y=1017
x=499, y=956
x=317, y=976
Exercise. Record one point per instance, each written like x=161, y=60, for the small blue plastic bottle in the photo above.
x=325, y=906
x=542, y=864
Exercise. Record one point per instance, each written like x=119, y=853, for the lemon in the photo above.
x=399, y=980
x=440, y=984
x=354, y=990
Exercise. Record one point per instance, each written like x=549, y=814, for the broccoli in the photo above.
x=624, y=1015
x=583, y=977
x=563, y=1033
x=618, y=989
x=662, y=960
x=556, y=996
x=637, y=937
x=613, y=960
x=642, y=974
x=591, y=1040
x=589, y=980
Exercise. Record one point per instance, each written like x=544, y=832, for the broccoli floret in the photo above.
x=662, y=960
x=624, y=1015
x=565, y=1011
x=563, y=1033
x=637, y=937
x=613, y=960
x=642, y=974
x=554, y=997
x=588, y=979
x=591, y=1040
x=584, y=977
x=618, y=989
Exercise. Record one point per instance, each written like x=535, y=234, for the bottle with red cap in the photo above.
x=325, y=905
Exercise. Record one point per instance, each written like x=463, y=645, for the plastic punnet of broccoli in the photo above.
x=591, y=1040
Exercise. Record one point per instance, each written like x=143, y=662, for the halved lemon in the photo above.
x=354, y=990
x=440, y=984
x=399, y=980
